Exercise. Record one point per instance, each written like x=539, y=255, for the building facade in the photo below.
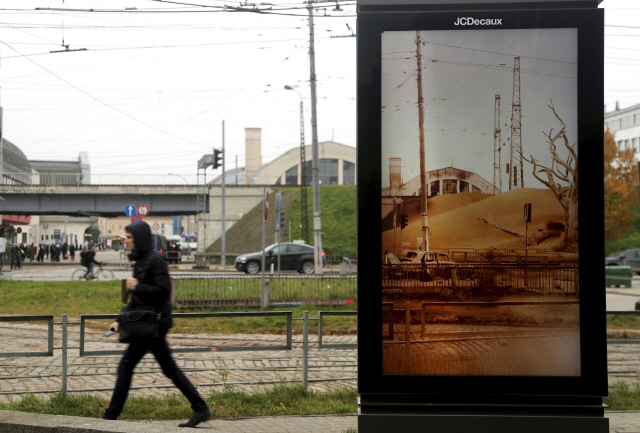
x=625, y=125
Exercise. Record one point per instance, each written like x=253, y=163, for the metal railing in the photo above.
x=534, y=278
x=48, y=319
x=79, y=179
x=240, y=289
x=82, y=352
x=286, y=314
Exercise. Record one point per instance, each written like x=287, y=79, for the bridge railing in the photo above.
x=79, y=179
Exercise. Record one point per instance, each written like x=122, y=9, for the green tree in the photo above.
x=620, y=189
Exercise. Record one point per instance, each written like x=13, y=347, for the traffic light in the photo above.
x=404, y=220
x=217, y=158
x=282, y=218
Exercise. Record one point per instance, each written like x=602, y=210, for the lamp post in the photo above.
x=304, y=218
x=188, y=220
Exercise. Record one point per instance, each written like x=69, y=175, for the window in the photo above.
x=291, y=176
x=348, y=173
x=626, y=145
x=327, y=172
x=435, y=188
x=634, y=144
x=296, y=249
x=464, y=186
x=620, y=144
x=449, y=186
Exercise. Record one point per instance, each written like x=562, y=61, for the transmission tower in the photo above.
x=497, y=160
x=304, y=212
x=516, y=131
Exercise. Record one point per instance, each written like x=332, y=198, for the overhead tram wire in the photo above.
x=102, y=102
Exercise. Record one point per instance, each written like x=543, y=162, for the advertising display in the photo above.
x=483, y=274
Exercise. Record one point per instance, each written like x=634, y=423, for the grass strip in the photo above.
x=104, y=297
x=623, y=321
x=623, y=396
x=281, y=399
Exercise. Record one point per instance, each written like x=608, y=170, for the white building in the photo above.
x=625, y=125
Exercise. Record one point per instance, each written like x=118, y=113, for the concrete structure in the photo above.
x=447, y=180
x=337, y=165
x=625, y=125
x=253, y=153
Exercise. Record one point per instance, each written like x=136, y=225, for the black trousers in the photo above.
x=133, y=355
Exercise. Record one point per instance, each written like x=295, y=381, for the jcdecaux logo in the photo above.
x=470, y=21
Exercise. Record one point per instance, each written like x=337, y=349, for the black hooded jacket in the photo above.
x=153, y=291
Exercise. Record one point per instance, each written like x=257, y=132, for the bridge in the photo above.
x=108, y=195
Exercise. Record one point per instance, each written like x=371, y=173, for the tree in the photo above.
x=564, y=171
x=620, y=189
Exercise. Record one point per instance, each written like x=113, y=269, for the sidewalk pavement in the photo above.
x=18, y=422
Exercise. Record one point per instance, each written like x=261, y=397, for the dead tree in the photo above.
x=565, y=171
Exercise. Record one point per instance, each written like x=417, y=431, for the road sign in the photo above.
x=278, y=202
x=155, y=226
x=135, y=218
x=130, y=210
x=45, y=226
x=56, y=232
x=143, y=210
x=265, y=205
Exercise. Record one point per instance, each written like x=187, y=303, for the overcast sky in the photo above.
x=462, y=72
x=151, y=91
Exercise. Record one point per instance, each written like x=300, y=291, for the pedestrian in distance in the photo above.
x=65, y=249
x=150, y=289
x=41, y=251
x=72, y=252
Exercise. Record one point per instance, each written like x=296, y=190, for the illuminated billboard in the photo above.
x=471, y=127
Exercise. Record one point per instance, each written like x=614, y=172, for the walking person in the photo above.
x=41, y=253
x=72, y=252
x=150, y=289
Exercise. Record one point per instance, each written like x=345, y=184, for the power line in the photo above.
x=102, y=102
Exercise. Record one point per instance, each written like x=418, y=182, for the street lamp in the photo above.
x=304, y=226
x=188, y=219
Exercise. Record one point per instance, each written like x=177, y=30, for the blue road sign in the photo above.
x=135, y=219
x=130, y=210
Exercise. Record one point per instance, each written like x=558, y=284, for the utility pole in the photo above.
x=304, y=212
x=224, y=222
x=423, y=174
x=516, y=130
x=317, y=227
x=497, y=138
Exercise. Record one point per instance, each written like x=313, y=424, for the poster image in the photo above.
x=479, y=202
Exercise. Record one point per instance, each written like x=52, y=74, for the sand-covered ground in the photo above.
x=473, y=220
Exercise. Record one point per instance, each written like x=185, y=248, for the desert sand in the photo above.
x=466, y=220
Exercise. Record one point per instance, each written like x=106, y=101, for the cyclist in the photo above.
x=16, y=257
x=87, y=259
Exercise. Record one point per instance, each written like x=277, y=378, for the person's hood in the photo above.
x=141, y=233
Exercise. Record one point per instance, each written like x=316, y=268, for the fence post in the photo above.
x=305, y=349
x=64, y=354
x=407, y=326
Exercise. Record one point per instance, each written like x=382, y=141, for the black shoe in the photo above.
x=104, y=416
x=196, y=418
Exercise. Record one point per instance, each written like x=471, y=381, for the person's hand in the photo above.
x=131, y=283
x=115, y=326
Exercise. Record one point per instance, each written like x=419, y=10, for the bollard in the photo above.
x=64, y=354
x=305, y=349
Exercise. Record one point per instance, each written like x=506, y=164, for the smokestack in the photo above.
x=395, y=176
x=253, y=154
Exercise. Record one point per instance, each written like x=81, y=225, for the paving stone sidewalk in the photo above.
x=96, y=374
x=17, y=422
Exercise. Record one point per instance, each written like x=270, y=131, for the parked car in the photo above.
x=293, y=257
x=630, y=257
x=411, y=266
x=159, y=243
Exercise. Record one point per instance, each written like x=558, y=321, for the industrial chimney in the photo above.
x=253, y=154
x=395, y=176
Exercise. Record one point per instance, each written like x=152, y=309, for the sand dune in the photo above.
x=458, y=220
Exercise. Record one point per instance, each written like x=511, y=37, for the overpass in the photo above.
x=107, y=196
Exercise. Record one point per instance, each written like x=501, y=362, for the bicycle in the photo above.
x=101, y=274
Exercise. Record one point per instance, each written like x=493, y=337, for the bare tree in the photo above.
x=565, y=171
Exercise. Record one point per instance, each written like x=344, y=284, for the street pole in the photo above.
x=423, y=174
x=317, y=226
x=224, y=223
x=265, y=201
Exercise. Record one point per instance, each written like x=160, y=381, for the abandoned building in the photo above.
x=447, y=180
